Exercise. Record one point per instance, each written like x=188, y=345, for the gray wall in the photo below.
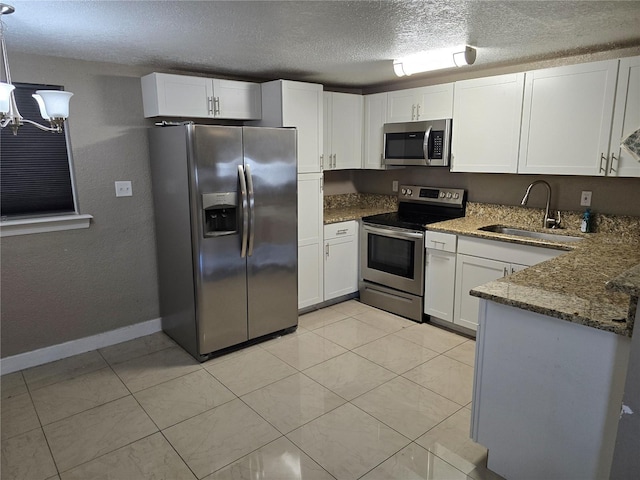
x=61, y=286
x=620, y=196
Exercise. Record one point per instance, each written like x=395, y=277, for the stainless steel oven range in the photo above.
x=392, y=248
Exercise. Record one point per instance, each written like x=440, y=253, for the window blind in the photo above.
x=35, y=172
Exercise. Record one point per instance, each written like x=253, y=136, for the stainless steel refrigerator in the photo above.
x=225, y=202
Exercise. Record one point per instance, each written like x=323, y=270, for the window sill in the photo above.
x=27, y=226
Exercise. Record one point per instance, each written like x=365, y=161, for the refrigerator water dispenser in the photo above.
x=220, y=212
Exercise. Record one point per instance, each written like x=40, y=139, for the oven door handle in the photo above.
x=393, y=233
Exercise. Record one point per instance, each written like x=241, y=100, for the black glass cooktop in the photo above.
x=409, y=221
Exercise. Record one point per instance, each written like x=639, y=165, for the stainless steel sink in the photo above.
x=519, y=232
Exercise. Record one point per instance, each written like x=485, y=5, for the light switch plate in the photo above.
x=123, y=189
x=585, y=199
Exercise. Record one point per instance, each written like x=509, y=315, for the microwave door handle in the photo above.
x=425, y=145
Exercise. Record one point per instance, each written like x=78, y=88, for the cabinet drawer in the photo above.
x=441, y=241
x=341, y=229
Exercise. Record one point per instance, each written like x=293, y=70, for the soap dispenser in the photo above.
x=585, y=226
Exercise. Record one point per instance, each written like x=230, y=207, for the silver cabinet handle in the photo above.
x=216, y=106
x=418, y=111
x=611, y=169
x=245, y=216
x=413, y=111
x=342, y=231
x=326, y=250
x=210, y=105
x=606, y=160
x=322, y=162
x=505, y=272
x=252, y=213
x=513, y=270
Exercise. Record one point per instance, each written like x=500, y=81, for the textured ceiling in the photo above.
x=340, y=43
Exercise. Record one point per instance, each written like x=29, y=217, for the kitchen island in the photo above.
x=553, y=347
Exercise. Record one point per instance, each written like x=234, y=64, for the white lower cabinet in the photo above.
x=310, y=239
x=340, y=259
x=440, y=275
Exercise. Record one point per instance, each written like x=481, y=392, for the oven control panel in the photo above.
x=438, y=195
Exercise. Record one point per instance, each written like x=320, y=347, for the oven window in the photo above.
x=391, y=255
x=404, y=145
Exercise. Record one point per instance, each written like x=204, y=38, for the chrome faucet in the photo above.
x=548, y=222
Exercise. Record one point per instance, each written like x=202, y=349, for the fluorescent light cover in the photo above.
x=435, y=60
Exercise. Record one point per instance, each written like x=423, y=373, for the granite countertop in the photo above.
x=353, y=206
x=595, y=283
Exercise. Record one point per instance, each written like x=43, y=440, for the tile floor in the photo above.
x=354, y=393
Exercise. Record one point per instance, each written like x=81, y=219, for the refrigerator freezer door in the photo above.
x=220, y=271
x=272, y=254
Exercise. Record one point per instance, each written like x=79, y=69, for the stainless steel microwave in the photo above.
x=426, y=143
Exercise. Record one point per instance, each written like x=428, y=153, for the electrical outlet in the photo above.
x=585, y=199
x=123, y=189
x=394, y=186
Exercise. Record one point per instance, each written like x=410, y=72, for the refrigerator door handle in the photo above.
x=251, y=211
x=245, y=207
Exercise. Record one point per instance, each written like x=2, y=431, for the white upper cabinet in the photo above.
x=375, y=116
x=567, y=115
x=626, y=119
x=342, y=131
x=166, y=95
x=486, y=124
x=296, y=104
x=424, y=103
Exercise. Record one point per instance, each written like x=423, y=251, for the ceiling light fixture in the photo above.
x=435, y=60
x=54, y=104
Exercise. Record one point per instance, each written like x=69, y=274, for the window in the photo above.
x=35, y=171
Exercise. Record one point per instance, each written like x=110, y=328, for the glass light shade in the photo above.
x=5, y=96
x=43, y=110
x=56, y=103
x=434, y=60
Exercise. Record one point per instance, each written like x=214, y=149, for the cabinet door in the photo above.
x=486, y=125
x=168, y=95
x=567, y=114
x=435, y=102
x=327, y=152
x=302, y=108
x=237, y=100
x=470, y=273
x=439, y=288
x=375, y=116
x=310, y=239
x=402, y=106
x=626, y=119
x=340, y=267
x=346, y=130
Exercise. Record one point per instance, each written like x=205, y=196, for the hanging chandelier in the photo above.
x=53, y=104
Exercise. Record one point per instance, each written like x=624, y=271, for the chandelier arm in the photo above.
x=56, y=129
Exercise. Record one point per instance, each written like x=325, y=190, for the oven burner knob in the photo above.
x=409, y=191
x=449, y=195
x=404, y=191
x=441, y=194
x=456, y=195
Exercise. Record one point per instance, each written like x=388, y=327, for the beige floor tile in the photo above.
x=352, y=307
x=155, y=368
x=349, y=375
x=395, y=353
x=433, y=338
x=238, y=353
x=245, y=373
x=279, y=460
x=385, y=321
x=27, y=457
x=292, y=402
x=17, y=415
x=151, y=458
x=415, y=463
x=71, y=367
x=320, y=318
x=183, y=397
x=304, y=351
x=347, y=442
x=78, y=394
x=406, y=407
x=450, y=378
x=90, y=434
x=450, y=440
x=12, y=384
x=465, y=353
x=219, y=436
x=350, y=333
x=137, y=347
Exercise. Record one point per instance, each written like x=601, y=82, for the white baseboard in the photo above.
x=75, y=347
